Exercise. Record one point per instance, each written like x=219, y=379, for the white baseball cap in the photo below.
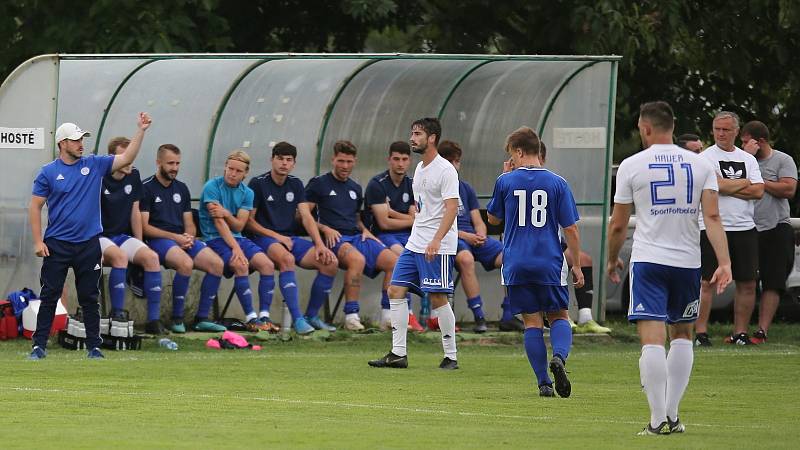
x=70, y=131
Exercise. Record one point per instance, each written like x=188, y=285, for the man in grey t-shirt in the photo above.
x=775, y=235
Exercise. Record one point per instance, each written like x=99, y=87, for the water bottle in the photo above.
x=168, y=344
x=286, y=320
x=424, y=310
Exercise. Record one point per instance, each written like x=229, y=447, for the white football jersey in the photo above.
x=433, y=184
x=665, y=182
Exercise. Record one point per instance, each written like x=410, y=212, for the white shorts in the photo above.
x=129, y=245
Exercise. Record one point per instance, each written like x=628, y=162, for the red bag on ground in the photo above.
x=29, y=318
x=9, y=327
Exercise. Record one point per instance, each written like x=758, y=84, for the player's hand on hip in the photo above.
x=432, y=250
x=611, y=270
x=41, y=250
x=722, y=278
x=577, y=277
x=144, y=121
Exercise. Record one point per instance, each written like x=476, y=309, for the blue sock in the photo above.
x=506, y=310
x=319, y=293
x=537, y=354
x=208, y=292
x=152, y=290
x=266, y=287
x=242, y=285
x=180, y=286
x=116, y=287
x=351, y=307
x=475, y=304
x=289, y=290
x=384, y=299
x=561, y=338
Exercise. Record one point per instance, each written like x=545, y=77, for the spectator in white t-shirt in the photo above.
x=740, y=184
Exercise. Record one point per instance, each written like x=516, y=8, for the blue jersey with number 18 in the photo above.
x=534, y=204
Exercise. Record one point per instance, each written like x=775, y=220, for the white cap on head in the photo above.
x=70, y=131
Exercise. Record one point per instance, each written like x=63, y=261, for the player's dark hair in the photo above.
x=167, y=148
x=401, y=147
x=756, y=130
x=686, y=137
x=284, y=148
x=659, y=114
x=525, y=139
x=542, y=152
x=345, y=147
x=119, y=141
x=430, y=125
x=449, y=150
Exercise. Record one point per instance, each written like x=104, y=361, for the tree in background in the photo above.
x=700, y=56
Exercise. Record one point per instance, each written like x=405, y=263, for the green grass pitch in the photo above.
x=311, y=393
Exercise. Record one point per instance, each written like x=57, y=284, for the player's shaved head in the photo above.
x=659, y=115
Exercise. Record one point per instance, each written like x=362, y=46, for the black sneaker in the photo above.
x=480, y=326
x=563, y=387
x=390, y=360
x=154, y=327
x=676, y=426
x=512, y=325
x=663, y=428
x=759, y=337
x=738, y=339
x=702, y=340
x=546, y=390
x=448, y=364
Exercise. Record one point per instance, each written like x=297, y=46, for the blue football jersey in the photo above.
x=276, y=205
x=534, y=204
x=165, y=204
x=381, y=189
x=338, y=202
x=469, y=201
x=72, y=193
x=117, y=202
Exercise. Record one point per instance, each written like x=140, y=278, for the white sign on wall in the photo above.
x=591, y=137
x=32, y=138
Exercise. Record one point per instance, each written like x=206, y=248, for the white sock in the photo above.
x=264, y=314
x=653, y=370
x=447, y=326
x=348, y=316
x=584, y=315
x=399, y=315
x=250, y=316
x=679, y=368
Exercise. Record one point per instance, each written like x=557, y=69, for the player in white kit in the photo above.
x=667, y=185
x=426, y=264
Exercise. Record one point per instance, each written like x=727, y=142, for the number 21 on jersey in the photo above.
x=538, y=208
x=670, y=181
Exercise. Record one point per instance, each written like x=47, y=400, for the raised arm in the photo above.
x=129, y=155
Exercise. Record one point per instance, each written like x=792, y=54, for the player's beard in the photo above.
x=165, y=174
x=418, y=150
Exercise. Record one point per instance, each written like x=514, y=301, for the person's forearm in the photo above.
x=235, y=223
x=130, y=153
x=35, y=218
x=572, y=236
x=448, y=218
x=730, y=187
x=225, y=232
x=312, y=228
x=388, y=223
x=751, y=192
x=616, y=237
x=136, y=223
x=254, y=227
x=152, y=232
x=781, y=188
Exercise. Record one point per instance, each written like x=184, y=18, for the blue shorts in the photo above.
x=390, y=239
x=664, y=293
x=221, y=248
x=162, y=246
x=485, y=254
x=300, y=246
x=419, y=275
x=370, y=248
x=533, y=298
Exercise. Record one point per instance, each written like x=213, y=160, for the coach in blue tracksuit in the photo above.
x=70, y=185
